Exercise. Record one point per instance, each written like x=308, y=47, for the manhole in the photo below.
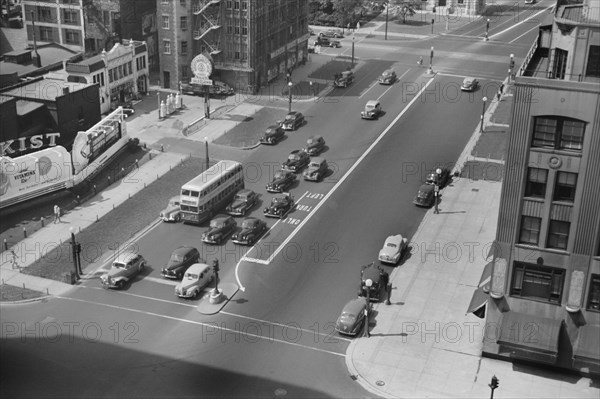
x=380, y=383
x=280, y=392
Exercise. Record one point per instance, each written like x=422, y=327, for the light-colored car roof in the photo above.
x=372, y=103
x=397, y=239
x=317, y=159
x=355, y=306
x=125, y=257
x=197, y=268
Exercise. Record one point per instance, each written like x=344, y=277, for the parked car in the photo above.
x=372, y=110
x=343, y=79
x=293, y=121
x=325, y=42
x=469, y=84
x=393, y=248
x=242, y=202
x=172, y=213
x=442, y=179
x=317, y=169
x=220, y=228
x=379, y=280
x=388, y=77
x=351, y=320
x=272, y=135
x=281, y=181
x=195, y=279
x=180, y=260
x=337, y=34
x=297, y=160
x=252, y=229
x=314, y=145
x=425, y=195
x=280, y=206
x=123, y=269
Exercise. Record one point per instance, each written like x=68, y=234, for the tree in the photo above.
x=343, y=11
x=404, y=9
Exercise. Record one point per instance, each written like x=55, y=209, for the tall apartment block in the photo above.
x=544, y=299
x=88, y=26
x=250, y=42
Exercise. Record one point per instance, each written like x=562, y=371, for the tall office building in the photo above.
x=250, y=42
x=544, y=303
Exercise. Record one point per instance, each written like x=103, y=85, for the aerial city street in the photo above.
x=302, y=199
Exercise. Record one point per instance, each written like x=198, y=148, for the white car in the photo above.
x=195, y=279
x=172, y=213
x=393, y=248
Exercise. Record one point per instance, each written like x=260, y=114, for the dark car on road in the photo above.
x=220, y=228
x=297, y=160
x=425, y=195
x=252, y=229
x=180, y=260
x=314, y=145
x=325, y=42
x=352, y=319
x=123, y=270
x=317, y=169
x=442, y=180
x=293, y=121
x=281, y=181
x=272, y=135
x=242, y=202
x=336, y=34
x=379, y=280
x=388, y=77
x=280, y=206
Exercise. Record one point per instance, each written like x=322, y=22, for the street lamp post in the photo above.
x=487, y=29
x=430, y=71
x=74, y=251
x=290, y=84
x=493, y=385
x=158, y=98
x=312, y=89
x=436, y=189
x=482, y=114
x=387, y=8
x=206, y=151
x=353, y=50
x=511, y=66
x=368, y=284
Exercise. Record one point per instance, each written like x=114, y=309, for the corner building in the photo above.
x=251, y=42
x=544, y=303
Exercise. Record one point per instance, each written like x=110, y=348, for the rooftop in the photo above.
x=50, y=54
x=44, y=89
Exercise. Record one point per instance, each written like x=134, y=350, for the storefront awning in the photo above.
x=486, y=277
x=530, y=337
x=586, y=354
x=478, y=302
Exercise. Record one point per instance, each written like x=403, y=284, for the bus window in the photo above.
x=185, y=192
x=195, y=193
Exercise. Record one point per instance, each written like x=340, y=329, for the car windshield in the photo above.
x=176, y=258
x=314, y=164
x=191, y=276
x=216, y=223
x=423, y=194
x=348, y=316
x=290, y=117
x=387, y=74
x=247, y=224
x=280, y=174
x=278, y=200
x=370, y=107
x=391, y=245
x=174, y=203
x=311, y=141
x=294, y=157
x=119, y=265
x=468, y=81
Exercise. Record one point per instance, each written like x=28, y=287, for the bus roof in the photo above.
x=211, y=175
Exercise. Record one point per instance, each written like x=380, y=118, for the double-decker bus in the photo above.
x=211, y=191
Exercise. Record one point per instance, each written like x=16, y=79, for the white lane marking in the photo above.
x=264, y=262
x=343, y=179
x=209, y=326
x=283, y=325
x=520, y=36
x=390, y=88
x=366, y=91
x=148, y=297
x=522, y=22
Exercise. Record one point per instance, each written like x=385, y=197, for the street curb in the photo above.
x=26, y=301
x=253, y=146
x=354, y=374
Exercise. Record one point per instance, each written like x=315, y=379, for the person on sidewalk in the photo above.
x=499, y=94
x=56, y=214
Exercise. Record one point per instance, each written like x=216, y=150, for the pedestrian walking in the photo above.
x=499, y=95
x=56, y=214
x=501, y=87
x=13, y=259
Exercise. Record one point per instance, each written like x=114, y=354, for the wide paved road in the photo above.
x=275, y=338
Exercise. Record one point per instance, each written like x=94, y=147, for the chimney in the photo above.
x=37, y=62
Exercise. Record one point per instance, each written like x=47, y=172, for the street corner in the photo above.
x=212, y=304
x=362, y=370
x=16, y=295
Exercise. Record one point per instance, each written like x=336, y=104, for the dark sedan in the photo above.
x=379, y=280
x=352, y=318
x=252, y=229
x=220, y=228
x=180, y=260
x=242, y=202
x=281, y=181
x=442, y=179
x=297, y=160
x=314, y=145
x=293, y=121
x=425, y=195
x=280, y=206
x=272, y=135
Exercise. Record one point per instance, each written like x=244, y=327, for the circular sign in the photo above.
x=201, y=66
x=555, y=162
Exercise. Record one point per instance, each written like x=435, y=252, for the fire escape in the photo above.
x=207, y=23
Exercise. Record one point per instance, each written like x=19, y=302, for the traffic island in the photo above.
x=212, y=304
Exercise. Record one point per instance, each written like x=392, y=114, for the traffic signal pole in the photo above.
x=493, y=385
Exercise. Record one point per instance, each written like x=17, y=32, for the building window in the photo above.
x=244, y=5
x=229, y=28
x=183, y=23
x=564, y=189
x=46, y=34
x=237, y=55
x=229, y=4
x=560, y=63
x=592, y=69
x=165, y=22
x=72, y=36
x=184, y=48
x=537, y=282
x=558, y=234
x=594, y=294
x=182, y=2
x=44, y=14
x=558, y=133
x=167, y=46
x=236, y=5
x=530, y=230
x=70, y=17
x=536, y=183
x=244, y=30
x=237, y=30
